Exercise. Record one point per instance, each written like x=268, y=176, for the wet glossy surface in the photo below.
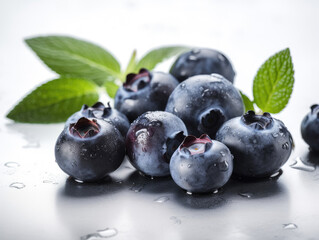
x=38, y=201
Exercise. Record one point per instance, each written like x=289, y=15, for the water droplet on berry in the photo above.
x=183, y=85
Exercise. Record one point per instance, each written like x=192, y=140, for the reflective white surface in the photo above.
x=43, y=203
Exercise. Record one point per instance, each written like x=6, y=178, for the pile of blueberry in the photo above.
x=156, y=118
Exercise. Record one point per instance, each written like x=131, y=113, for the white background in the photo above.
x=248, y=32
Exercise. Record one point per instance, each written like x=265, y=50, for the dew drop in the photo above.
x=183, y=85
x=161, y=199
x=246, y=194
x=17, y=185
x=300, y=165
x=275, y=135
x=223, y=166
x=12, y=164
x=289, y=226
x=285, y=146
x=192, y=58
x=175, y=220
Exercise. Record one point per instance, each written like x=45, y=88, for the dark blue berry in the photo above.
x=204, y=103
x=310, y=128
x=201, y=164
x=202, y=61
x=145, y=91
x=260, y=144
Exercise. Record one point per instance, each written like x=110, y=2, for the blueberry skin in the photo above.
x=91, y=158
x=202, y=61
x=260, y=144
x=310, y=128
x=202, y=172
x=149, y=95
x=204, y=103
x=147, y=142
x=99, y=110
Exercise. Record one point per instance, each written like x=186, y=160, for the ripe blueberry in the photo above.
x=201, y=164
x=152, y=139
x=202, y=61
x=98, y=110
x=89, y=149
x=145, y=91
x=310, y=128
x=204, y=103
x=261, y=145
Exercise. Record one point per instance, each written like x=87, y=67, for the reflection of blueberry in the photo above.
x=310, y=128
x=204, y=103
x=145, y=91
x=261, y=145
x=202, y=61
x=201, y=164
x=151, y=140
x=98, y=110
x=89, y=149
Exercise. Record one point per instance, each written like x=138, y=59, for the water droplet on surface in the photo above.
x=12, y=164
x=183, y=85
x=289, y=226
x=175, y=220
x=300, y=165
x=17, y=185
x=161, y=199
x=189, y=193
x=245, y=194
x=100, y=234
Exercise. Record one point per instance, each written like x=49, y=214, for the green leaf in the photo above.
x=274, y=82
x=111, y=88
x=155, y=56
x=55, y=101
x=249, y=105
x=75, y=58
x=131, y=66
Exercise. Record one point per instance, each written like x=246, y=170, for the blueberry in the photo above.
x=261, y=145
x=202, y=61
x=145, y=91
x=204, y=103
x=310, y=128
x=98, y=110
x=201, y=164
x=152, y=139
x=89, y=149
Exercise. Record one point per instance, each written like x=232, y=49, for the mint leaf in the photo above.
x=72, y=57
x=131, y=66
x=249, y=105
x=274, y=82
x=111, y=88
x=152, y=58
x=55, y=101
